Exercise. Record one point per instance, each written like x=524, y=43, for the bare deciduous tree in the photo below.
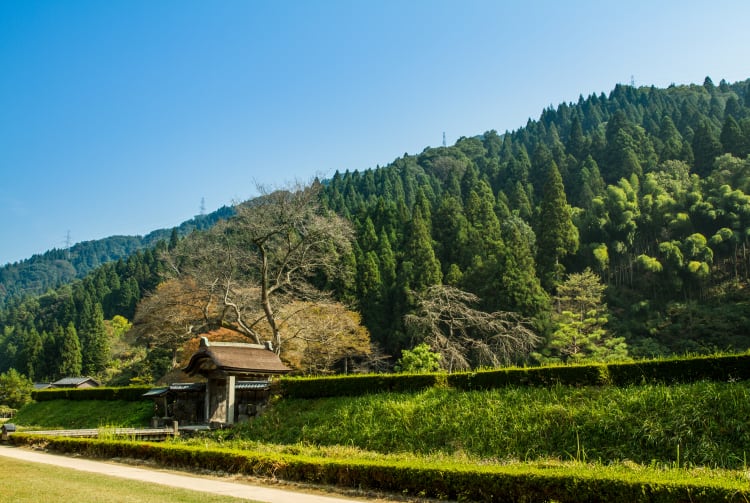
x=320, y=335
x=464, y=336
x=174, y=313
x=264, y=258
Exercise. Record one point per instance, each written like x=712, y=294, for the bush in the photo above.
x=419, y=359
x=6, y=412
x=15, y=389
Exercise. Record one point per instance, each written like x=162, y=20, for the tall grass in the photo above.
x=700, y=424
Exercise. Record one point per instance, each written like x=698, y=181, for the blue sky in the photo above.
x=120, y=116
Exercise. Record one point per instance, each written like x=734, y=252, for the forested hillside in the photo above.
x=647, y=188
x=40, y=273
x=614, y=227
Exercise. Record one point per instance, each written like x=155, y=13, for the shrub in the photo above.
x=6, y=411
x=15, y=389
x=419, y=359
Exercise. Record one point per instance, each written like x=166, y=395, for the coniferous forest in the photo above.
x=614, y=227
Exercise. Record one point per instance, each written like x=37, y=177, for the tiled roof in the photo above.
x=156, y=392
x=244, y=385
x=74, y=381
x=187, y=386
x=193, y=386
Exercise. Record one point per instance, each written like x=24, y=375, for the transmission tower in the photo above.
x=67, y=245
x=444, y=138
x=203, y=206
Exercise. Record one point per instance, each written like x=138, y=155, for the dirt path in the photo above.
x=194, y=483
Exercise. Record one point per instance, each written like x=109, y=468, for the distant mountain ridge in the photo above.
x=49, y=270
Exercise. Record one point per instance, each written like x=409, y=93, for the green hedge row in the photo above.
x=357, y=384
x=128, y=393
x=670, y=371
x=464, y=483
x=684, y=370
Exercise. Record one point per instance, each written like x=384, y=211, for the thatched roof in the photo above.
x=232, y=358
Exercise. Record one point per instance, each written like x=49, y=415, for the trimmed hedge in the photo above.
x=569, y=375
x=355, y=385
x=127, y=393
x=683, y=370
x=671, y=371
x=457, y=482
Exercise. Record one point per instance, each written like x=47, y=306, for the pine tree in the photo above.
x=557, y=237
x=732, y=139
x=368, y=284
x=425, y=267
x=451, y=232
x=480, y=213
x=30, y=354
x=367, y=239
x=344, y=283
x=706, y=148
x=519, y=202
x=577, y=145
x=69, y=362
x=580, y=318
x=387, y=261
x=174, y=238
x=522, y=292
x=671, y=140
x=93, y=338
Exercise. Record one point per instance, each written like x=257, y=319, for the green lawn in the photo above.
x=71, y=414
x=24, y=482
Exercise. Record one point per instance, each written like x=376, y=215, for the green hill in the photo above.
x=40, y=273
x=637, y=201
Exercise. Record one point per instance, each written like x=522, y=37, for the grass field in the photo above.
x=702, y=424
x=24, y=482
x=69, y=414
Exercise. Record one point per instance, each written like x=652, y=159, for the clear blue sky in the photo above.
x=120, y=116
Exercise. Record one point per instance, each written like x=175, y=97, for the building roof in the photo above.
x=156, y=392
x=185, y=387
x=233, y=358
x=179, y=387
x=245, y=385
x=74, y=382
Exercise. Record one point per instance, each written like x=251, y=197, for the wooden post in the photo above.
x=230, y=400
x=207, y=403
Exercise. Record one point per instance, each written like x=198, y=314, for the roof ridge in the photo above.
x=205, y=343
x=237, y=345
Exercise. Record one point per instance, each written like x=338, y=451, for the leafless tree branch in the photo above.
x=465, y=336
